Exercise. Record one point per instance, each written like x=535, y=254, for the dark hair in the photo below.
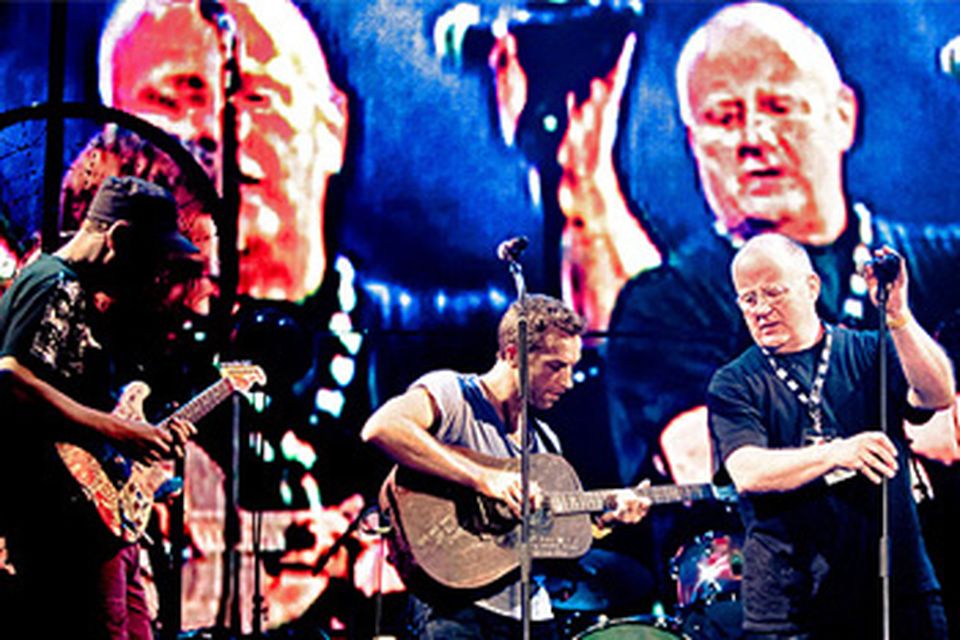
x=543, y=314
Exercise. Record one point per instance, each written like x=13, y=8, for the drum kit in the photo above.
x=707, y=573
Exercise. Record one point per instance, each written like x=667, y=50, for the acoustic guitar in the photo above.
x=463, y=540
x=122, y=490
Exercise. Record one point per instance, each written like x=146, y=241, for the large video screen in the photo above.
x=349, y=169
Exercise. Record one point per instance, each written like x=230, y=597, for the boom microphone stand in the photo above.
x=509, y=251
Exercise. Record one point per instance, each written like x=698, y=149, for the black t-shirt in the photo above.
x=674, y=326
x=47, y=322
x=811, y=554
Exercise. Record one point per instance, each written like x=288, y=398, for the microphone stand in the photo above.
x=517, y=272
x=883, y=290
x=215, y=12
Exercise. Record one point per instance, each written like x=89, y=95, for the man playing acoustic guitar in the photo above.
x=481, y=413
x=68, y=325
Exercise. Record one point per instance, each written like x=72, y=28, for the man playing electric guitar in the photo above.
x=61, y=324
x=481, y=413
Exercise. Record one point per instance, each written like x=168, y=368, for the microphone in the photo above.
x=509, y=250
x=211, y=10
x=886, y=268
x=215, y=12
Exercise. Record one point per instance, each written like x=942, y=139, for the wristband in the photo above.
x=899, y=322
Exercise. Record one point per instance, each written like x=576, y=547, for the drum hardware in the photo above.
x=708, y=573
x=600, y=581
x=594, y=598
x=634, y=628
x=708, y=570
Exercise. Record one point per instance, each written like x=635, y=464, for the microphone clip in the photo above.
x=886, y=268
x=509, y=250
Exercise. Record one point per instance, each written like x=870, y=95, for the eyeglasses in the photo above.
x=772, y=294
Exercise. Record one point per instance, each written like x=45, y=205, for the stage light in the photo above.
x=380, y=292
x=259, y=401
x=330, y=401
x=260, y=444
x=351, y=340
x=853, y=308
x=342, y=369
x=312, y=490
x=340, y=323
x=296, y=450
x=497, y=298
x=347, y=291
x=286, y=493
x=533, y=186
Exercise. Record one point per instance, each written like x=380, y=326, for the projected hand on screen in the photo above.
x=603, y=243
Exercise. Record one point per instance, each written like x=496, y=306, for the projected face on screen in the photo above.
x=164, y=61
x=769, y=126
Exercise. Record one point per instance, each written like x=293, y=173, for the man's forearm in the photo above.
x=32, y=393
x=604, y=245
x=761, y=470
x=414, y=448
x=925, y=365
x=401, y=429
x=758, y=469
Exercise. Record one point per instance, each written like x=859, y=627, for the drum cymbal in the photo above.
x=599, y=581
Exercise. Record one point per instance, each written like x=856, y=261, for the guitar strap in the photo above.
x=548, y=443
x=472, y=389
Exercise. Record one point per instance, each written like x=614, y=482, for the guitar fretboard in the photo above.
x=204, y=402
x=568, y=502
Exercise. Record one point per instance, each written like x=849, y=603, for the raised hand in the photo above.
x=603, y=243
x=586, y=150
x=897, y=295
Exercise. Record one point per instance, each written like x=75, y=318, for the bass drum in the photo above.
x=708, y=574
x=634, y=628
x=708, y=570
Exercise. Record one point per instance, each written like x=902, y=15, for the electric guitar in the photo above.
x=122, y=490
x=463, y=540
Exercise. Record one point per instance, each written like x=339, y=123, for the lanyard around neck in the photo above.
x=813, y=400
